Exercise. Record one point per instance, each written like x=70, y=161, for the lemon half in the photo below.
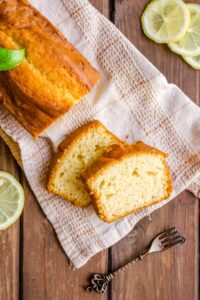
x=11, y=200
x=164, y=21
x=189, y=45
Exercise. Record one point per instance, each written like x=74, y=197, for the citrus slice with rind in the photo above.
x=189, y=45
x=164, y=21
x=11, y=200
x=194, y=61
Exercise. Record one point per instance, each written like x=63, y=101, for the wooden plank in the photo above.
x=9, y=239
x=103, y=6
x=127, y=19
x=46, y=273
x=169, y=275
x=174, y=274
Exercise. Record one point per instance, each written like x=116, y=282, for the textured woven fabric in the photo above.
x=132, y=99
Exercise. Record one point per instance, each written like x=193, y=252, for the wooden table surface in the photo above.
x=34, y=267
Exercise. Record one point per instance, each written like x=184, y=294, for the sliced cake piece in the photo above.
x=126, y=180
x=75, y=154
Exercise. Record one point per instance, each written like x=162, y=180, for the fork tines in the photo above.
x=166, y=233
x=170, y=238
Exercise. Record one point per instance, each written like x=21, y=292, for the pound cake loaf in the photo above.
x=127, y=179
x=75, y=154
x=53, y=75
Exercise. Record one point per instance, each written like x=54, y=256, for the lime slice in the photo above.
x=189, y=45
x=11, y=200
x=194, y=61
x=164, y=21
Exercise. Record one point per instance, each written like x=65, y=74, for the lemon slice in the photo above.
x=189, y=45
x=194, y=61
x=164, y=21
x=11, y=200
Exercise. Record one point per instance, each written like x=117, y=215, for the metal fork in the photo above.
x=161, y=242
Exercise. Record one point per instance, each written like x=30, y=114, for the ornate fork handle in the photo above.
x=161, y=242
x=99, y=282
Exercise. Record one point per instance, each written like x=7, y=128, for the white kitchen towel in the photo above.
x=132, y=99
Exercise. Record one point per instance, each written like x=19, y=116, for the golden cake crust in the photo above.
x=63, y=150
x=113, y=156
x=53, y=75
x=13, y=146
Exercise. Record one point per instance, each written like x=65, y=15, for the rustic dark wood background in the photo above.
x=32, y=263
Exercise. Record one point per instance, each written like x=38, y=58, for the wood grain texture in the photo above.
x=45, y=267
x=103, y=6
x=168, y=275
x=174, y=274
x=127, y=18
x=9, y=239
x=40, y=270
x=46, y=273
